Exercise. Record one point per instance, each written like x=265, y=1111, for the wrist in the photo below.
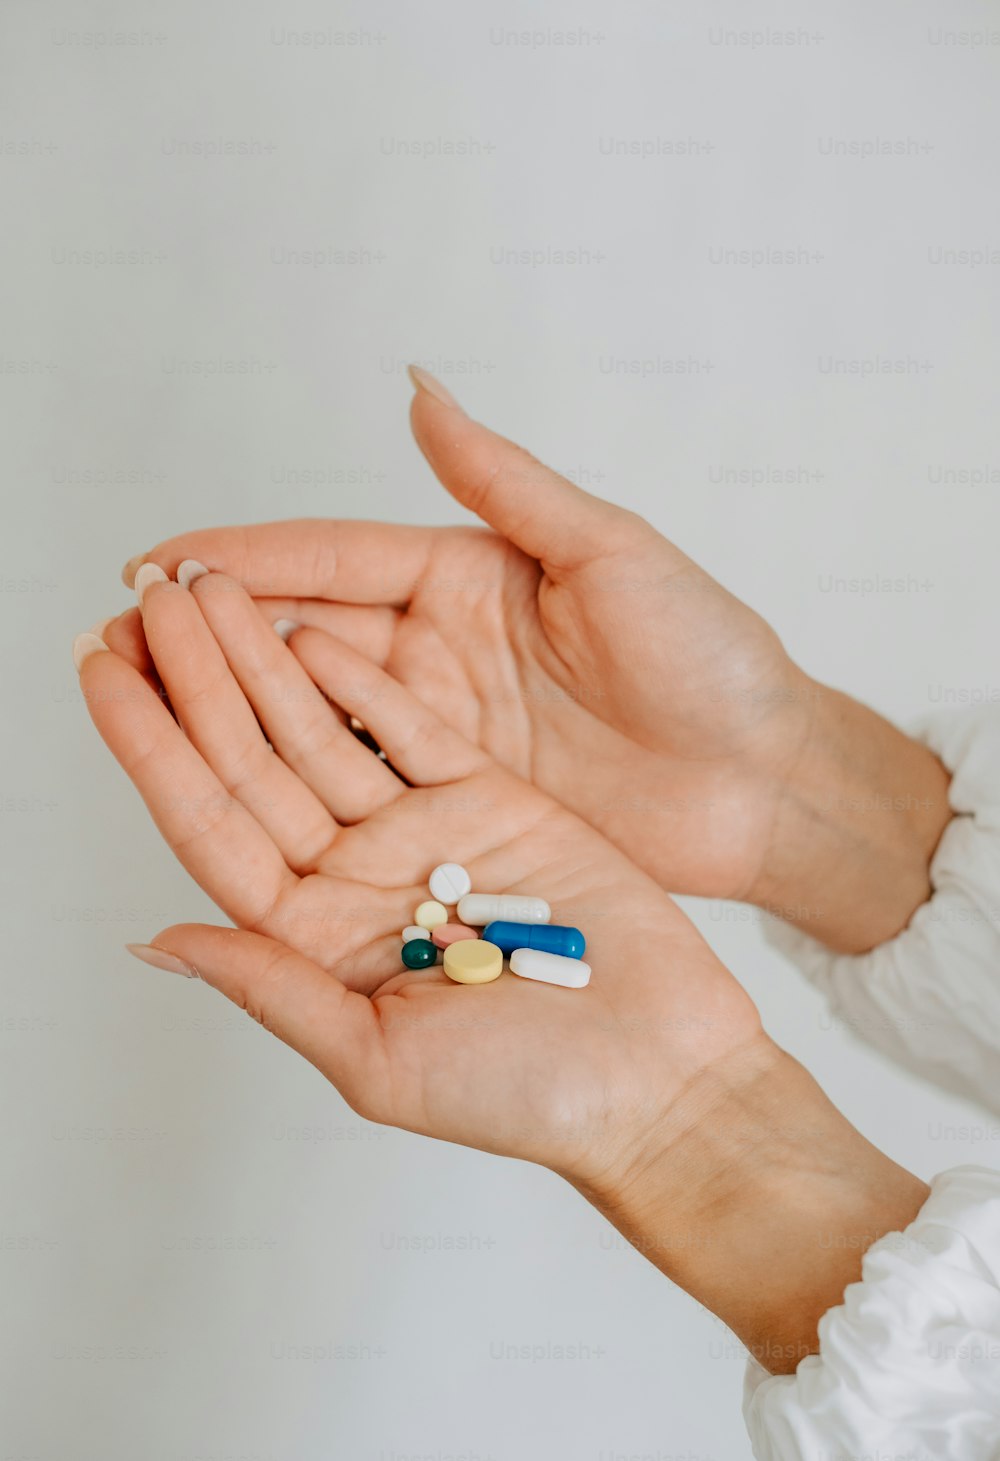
x=857, y=815
x=756, y=1196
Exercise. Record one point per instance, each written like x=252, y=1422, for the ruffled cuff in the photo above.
x=909, y=1363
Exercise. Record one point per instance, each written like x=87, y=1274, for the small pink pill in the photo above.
x=451, y=933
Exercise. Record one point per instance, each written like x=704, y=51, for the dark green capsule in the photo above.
x=419, y=953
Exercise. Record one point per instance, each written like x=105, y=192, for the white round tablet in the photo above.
x=414, y=931
x=449, y=882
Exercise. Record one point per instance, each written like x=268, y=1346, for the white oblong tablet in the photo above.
x=550, y=968
x=414, y=931
x=449, y=881
x=482, y=908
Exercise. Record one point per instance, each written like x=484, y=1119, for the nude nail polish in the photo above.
x=189, y=570
x=424, y=381
x=84, y=645
x=160, y=959
x=149, y=573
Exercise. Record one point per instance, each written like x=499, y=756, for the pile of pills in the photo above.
x=517, y=926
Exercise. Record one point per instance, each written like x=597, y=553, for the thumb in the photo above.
x=544, y=514
x=335, y=1029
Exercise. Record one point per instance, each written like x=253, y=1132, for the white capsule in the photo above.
x=481, y=908
x=414, y=931
x=550, y=968
x=449, y=882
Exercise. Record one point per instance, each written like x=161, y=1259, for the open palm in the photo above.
x=318, y=851
x=573, y=643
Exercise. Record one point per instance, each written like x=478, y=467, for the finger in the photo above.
x=126, y=636
x=123, y=633
x=417, y=742
x=354, y=562
x=337, y=1030
x=214, y=712
x=301, y=725
x=406, y=646
x=223, y=848
x=544, y=514
x=368, y=628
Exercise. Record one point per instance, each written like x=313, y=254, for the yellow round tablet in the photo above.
x=430, y=914
x=473, y=961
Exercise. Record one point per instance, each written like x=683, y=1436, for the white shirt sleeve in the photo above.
x=909, y=1363
x=930, y=997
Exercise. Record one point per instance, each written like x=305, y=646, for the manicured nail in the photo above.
x=160, y=959
x=131, y=568
x=84, y=645
x=285, y=628
x=424, y=381
x=101, y=626
x=189, y=570
x=147, y=574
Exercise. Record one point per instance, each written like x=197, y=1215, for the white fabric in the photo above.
x=909, y=1363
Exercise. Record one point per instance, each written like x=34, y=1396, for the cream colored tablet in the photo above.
x=473, y=961
x=430, y=914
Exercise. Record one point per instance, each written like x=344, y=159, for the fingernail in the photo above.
x=424, y=381
x=147, y=574
x=131, y=568
x=84, y=645
x=189, y=570
x=101, y=626
x=285, y=628
x=160, y=959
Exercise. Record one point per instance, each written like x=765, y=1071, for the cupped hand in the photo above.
x=653, y=1090
x=571, y=642
x=319, y=851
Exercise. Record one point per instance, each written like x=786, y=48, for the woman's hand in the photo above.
x=574, y=644
x=317, y=843
x=653, y=1090
x=585, y=652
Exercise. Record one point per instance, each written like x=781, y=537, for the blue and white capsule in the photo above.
x=550, y=938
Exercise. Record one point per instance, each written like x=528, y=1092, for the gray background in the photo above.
x=203, y=1254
